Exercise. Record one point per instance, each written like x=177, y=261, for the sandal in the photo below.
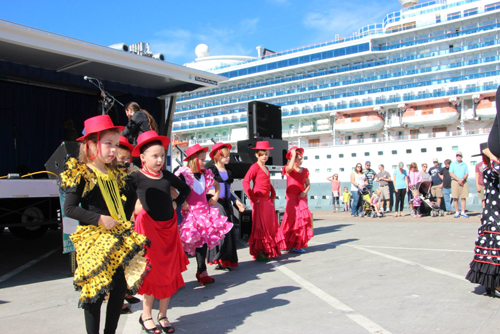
x=166, y=329
x=154, y=330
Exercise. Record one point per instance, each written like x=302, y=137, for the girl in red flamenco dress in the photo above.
x=157, y=220
x=202, y=226
x=266, y=239
x=297, y=221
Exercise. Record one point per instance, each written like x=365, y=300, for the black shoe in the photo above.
x=220, y=267
x=168, y=329
x=154, y=330
x=132, y=300
x=126, y=310
x=493, y=292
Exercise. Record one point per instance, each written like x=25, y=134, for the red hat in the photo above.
x=97, y=124
x=194, y=149
x=217, y=147
x=262, y=145
x=148, y=137
x=297, y=149
x=124, y=142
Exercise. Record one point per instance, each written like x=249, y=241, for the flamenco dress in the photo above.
x=225, y=253
x=266, y=237
x=485, y=267
x=297, y=220
x=109, y=261
x=201, y=224
x=157, y=221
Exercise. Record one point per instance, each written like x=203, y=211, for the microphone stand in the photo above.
x=106, y=105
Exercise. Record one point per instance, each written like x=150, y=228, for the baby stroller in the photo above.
x=366, y=208
x=429, y=205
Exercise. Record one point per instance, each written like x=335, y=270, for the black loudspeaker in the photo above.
x=264, y=120
x=236, y=165
x=278, y=153
x=66, y=150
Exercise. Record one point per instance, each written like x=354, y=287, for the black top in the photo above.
x=93, y=205
x=137, y=124
x=154, y=194
x=446, y=177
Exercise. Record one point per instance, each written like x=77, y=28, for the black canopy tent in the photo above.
x=41, y=83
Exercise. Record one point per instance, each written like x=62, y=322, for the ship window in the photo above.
x=316, y=157
x=473, y=163
x=408, y=151
x=394, y=152
x=200, y=136
x=454, y=148
x=341, y=155
x=316, y=170
x=341, y=169
x=353, y=154
x=329, y=170
x=328, y=156
x=224, y=133
x=305, y=157
x=423, y=150
x=441, y=129
x=208, y=135
x=380, y=153
x=394, y=167
x=367, y=154
x=439, y=149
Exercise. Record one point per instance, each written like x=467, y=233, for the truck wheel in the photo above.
x=30, y=215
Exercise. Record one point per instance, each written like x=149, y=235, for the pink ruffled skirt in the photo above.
x=202, y=224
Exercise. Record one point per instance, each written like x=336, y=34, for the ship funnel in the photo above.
x=408, y=3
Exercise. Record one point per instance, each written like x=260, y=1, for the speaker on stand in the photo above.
x=67, y=149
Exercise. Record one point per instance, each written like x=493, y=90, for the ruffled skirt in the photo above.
x=100, y=252
x=202, y=224
x=225, y=253
x=165, y=256
x=296, y=225
x=266, y=235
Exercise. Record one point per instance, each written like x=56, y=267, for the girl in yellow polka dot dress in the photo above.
x=109, y=252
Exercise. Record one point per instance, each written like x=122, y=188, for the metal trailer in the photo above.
x=34, y=58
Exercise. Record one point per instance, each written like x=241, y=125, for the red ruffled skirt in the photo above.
x=266, y=236
x=165, y=256
x=296, y=225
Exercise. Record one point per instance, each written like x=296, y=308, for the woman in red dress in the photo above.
x=157, y=220
x=266, y=239
x=297, y=221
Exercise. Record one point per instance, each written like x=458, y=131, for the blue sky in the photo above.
x=176, y=27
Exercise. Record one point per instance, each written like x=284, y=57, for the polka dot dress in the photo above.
x=485, y=268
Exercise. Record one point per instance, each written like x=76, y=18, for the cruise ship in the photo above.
x=417, y=86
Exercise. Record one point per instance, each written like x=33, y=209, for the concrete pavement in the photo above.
x=388, y=275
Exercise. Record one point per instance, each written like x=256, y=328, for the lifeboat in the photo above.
x=180, y=143
x=427, y=117
x=486, y=109
x=369, y=123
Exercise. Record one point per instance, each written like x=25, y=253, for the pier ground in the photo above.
x=359, y=275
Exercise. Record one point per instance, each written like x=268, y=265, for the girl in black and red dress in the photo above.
x=157, y=220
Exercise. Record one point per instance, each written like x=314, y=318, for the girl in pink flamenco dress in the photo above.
x=202, y=226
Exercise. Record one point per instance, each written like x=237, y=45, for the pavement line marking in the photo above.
x=436, y=270
x=361, y=320
x=27, y=265
x=404, y=248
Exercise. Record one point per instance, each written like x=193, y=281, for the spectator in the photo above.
x=401, y=185
x=383, y=178
x=334, y=180
x=139, y=121
x=370, y=176
x=444, y=174
x=479, y=172
x=459, y=186
x=414, y=180
x=437, y=182
x=425, y=176
x=358, y=181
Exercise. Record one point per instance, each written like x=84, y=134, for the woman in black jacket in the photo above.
x=139, y=121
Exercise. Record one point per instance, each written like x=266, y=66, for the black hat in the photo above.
x=482, y=147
